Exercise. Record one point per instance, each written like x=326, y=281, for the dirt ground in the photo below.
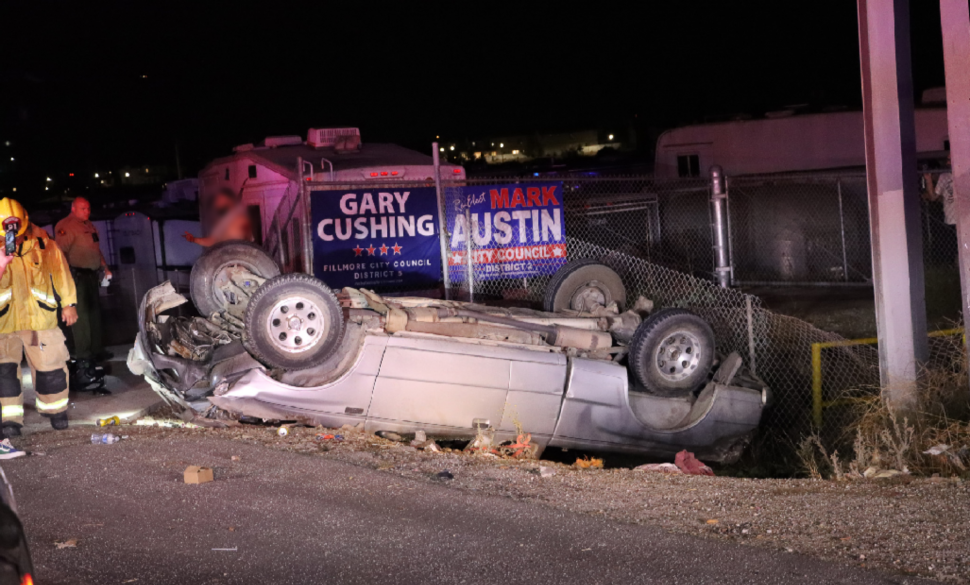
x=904, y=525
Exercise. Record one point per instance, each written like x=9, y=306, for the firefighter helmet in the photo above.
x=11, y=211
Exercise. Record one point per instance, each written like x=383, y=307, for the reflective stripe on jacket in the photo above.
x=27, y=301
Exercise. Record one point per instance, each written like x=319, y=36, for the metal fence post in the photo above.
x=845, y=261
x=468, y=255
x=722, y=264
x=442, y=221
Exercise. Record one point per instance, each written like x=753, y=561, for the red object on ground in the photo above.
x=689, y=464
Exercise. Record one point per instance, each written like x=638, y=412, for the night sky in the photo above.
x=73, y=96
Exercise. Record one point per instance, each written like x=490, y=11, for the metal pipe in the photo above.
x=304, y=197
x=468, y=255
x=752, y=365
x=442, y=222
x=722, y=264
x=323, y=160
x=845, y=261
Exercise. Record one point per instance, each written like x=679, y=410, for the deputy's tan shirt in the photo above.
x=79, y=242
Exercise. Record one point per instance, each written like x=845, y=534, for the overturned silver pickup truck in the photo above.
x=583, y=374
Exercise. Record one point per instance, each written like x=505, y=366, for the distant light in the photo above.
x=501, y=145
x=46, y=188
x=146, y=170
x=7, y=143
x=457, y=171
x=493, y=144
x=48, y=179
x=437, y=137
x=102, y=181
x=14, y=189
x=144, y=77
x=611, y=137
x=535, y=174
x=70, y=174
x=126, y=174
x=11, y=159
x=515, y=152
x=441, y=149
x=96, y=176
x=452, y=147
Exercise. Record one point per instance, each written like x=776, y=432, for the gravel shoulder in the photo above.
x=906, y=526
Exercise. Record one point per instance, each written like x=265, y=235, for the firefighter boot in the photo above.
x=11, y=429
x=59, y=421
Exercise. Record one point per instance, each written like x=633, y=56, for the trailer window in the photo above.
x=688, y=165
x=252, y=171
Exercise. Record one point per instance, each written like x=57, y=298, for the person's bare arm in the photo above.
x=204, y=242
x=929, y=191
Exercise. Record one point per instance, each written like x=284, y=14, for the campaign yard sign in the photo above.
x=376, y=238
x=517, y=230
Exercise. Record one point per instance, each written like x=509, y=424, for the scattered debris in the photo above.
x=390, y=436
x=328, y=437
x=233, y=549
x=432, y=447
x=660, y=468
x=587, y=463
x=444, y=475
x=37, y=453
x=197, y=474
x=71, y=543
x=713, y=521
x=522, y=448
x=235, y=458
x=283, y=432
x=420, y=437
x=546, y=471
x=111, y=420
x=105, y=439
x=689, y=464
x=947, y=453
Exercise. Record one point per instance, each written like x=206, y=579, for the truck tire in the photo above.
x=672, y=352
x=293, y=322
x=209, y=272
x=580, y=281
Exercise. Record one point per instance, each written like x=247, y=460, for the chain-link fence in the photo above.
x=657, y=234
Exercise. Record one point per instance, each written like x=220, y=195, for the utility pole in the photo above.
x=955, y=20
x=894, y=204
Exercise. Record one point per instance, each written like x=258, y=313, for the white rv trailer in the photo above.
x=260, y=175
x=784, y=142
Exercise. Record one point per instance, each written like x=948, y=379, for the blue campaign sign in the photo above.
x=382, y=237
x=517, y=230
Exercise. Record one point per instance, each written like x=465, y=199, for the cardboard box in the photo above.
x=197, y=474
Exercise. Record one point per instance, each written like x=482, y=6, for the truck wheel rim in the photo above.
x=296, y=324
x=678, y=356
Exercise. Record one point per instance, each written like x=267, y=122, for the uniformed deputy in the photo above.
x=28, y=322
x=78, y=238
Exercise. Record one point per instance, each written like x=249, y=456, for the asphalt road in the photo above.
x=293, y=518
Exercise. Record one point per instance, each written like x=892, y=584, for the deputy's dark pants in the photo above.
x=87, y=330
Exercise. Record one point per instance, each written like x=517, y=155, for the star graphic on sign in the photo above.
x=383, y=249
x=358, y=250
x=371, y=249
x=456, y=258
x=557, y=251
x=397, y=248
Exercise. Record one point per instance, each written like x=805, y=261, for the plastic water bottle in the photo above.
x=105, y=439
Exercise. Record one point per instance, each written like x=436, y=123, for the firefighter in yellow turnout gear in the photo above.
x=28, y=321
